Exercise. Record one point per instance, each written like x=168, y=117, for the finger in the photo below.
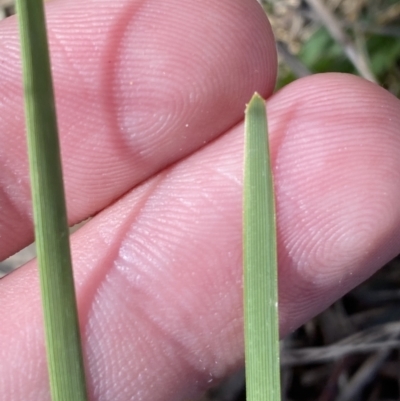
x=139, y=85
x=159, y=273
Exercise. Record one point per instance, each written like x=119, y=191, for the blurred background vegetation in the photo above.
x=354, y=36
x=351, y=352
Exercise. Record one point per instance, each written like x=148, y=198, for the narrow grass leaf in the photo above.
x=64, y=355
x=260, y=261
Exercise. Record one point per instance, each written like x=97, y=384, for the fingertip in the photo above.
x=337, y=155
x=139, y=86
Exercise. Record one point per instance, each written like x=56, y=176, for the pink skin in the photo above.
x=141, y=85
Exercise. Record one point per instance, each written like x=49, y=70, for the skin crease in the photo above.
x=159, y=271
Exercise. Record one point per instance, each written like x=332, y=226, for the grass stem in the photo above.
x=63, y=346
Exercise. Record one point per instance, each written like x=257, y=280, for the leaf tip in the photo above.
x=256, y=100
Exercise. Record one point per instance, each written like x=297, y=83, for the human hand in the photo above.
x=141, y=87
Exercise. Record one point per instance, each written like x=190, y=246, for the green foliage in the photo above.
x=322, y=54
x=385, y=53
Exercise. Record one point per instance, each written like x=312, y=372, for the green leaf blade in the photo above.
x=260, y=261
x=63, y=344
